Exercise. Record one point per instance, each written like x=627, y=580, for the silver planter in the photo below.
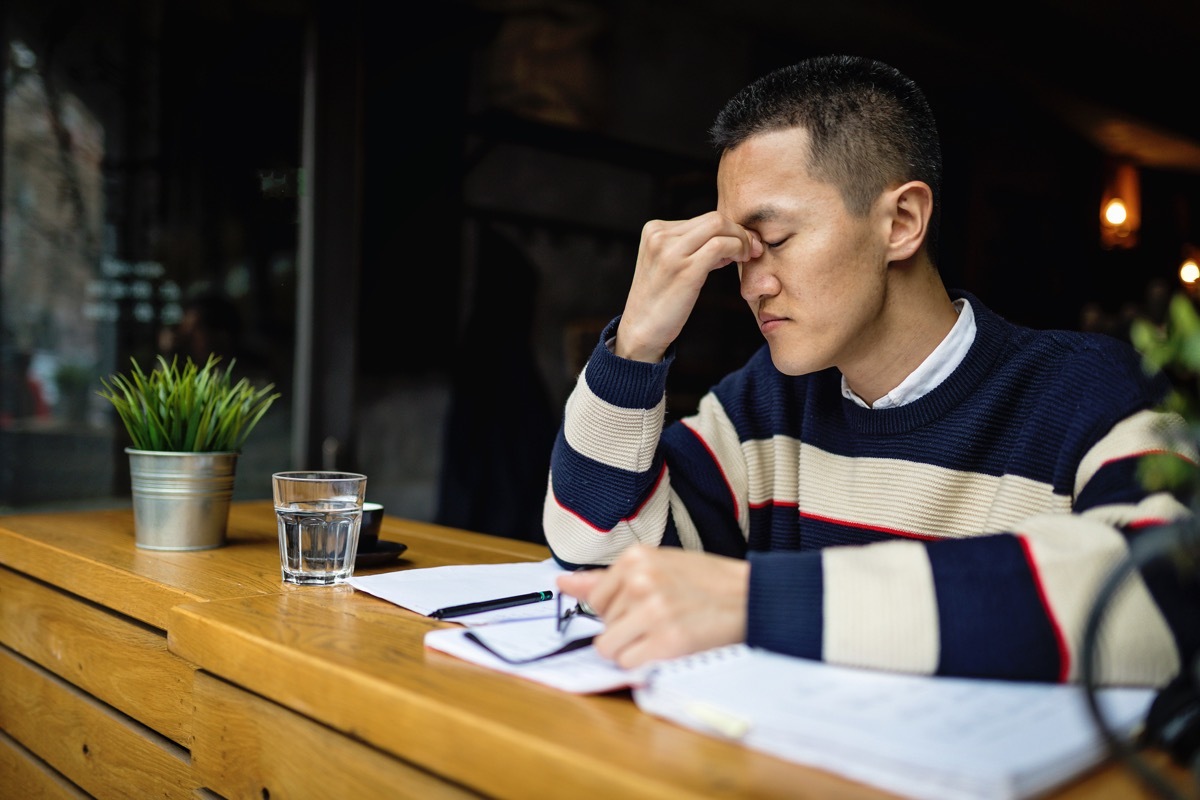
x=180, y=500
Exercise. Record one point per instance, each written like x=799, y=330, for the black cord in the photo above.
x=1166, y=541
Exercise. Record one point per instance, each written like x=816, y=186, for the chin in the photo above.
x=793, y=365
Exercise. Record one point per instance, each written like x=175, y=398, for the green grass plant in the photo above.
x=187, y=408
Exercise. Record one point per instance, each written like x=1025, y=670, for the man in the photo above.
x=899, y=479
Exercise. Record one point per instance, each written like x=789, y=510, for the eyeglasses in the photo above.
x=546, y=646
x=580, y=609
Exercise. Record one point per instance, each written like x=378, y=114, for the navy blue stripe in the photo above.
x=624, y=382
x=817, y=533
x=1022, y=417
x=773, y=527
x=990, y=613
x=571, y=565
x=1175, y=587
x=786, y=605
x=704, y=491
x=779, y=527
x=1115, y=482
x=600, y=495
x=670, y=537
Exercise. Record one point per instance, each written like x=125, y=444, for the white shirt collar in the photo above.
x=936, y=367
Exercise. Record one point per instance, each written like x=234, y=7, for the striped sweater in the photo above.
x=965, y=533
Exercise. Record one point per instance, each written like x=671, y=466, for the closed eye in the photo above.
x=773, y=245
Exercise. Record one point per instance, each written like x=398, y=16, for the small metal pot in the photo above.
x=180, y=500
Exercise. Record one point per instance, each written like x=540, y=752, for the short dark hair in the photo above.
x=869, y=126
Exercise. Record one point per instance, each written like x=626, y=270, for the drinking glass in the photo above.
x=318, y=515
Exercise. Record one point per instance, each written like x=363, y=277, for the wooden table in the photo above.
x=131, y=673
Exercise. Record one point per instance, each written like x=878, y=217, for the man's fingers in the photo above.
x=721, y=251
x=710, y=240
x=581, y=584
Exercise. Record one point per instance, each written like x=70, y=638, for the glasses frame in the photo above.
x=563, y=618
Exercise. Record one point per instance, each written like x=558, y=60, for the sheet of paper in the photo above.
x=426, y=590
x=529, y=639
x=917, y=736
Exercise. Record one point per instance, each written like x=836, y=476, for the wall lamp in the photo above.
x=1189, y=268
x=1120, y=206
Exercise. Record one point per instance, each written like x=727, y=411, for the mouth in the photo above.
x=768, y=322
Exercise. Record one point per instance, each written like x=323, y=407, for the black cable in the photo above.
x=1168, y=541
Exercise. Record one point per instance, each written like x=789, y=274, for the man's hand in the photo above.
x=674, y=260
x=660, y=603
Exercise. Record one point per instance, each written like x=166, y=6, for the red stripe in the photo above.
x=579, y=517
x=732, y=497
x=1138, y=524
x=1064, y=655
x=662, y=473
x=925, y=537
x=657, y=482
x=771, y=503
x=1151, y=452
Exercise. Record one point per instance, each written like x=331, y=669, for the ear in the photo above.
x=909, y=207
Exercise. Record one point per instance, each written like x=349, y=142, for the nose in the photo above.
x=757, y=280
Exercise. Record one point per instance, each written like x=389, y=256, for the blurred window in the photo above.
x=150, y=202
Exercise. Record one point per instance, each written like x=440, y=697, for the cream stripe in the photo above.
x=893, y=494
x=576, y=541
x=1138, y=433
x=1158, y=506
x=1073, y=557
x=880, y=607
x=625, y=438
x=689, y=536
x=716, y=430
x=773, y=468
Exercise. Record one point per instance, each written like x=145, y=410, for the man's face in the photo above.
x=820, y=287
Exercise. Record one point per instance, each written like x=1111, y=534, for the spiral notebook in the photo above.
x=924, y=738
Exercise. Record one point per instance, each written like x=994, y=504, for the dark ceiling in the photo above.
x=1124, y=73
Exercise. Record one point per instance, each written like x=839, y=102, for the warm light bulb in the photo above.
x=1189, y=271
x=1114, y=212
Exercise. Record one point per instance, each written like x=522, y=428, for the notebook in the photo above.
x=920, y=737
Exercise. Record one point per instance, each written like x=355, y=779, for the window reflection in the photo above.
x=136, y=221
x=53, y=212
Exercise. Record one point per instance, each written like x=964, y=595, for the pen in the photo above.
x=490, y=605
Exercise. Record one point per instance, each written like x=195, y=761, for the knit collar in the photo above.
x=990, y=334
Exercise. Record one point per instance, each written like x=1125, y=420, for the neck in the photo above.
x=917, y=314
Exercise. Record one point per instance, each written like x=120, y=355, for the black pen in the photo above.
x=491, y=605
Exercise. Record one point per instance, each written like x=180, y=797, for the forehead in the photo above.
x=766, y=173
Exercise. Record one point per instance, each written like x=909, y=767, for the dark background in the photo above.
x=478, y=172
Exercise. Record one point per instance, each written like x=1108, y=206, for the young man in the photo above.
x=900, y=479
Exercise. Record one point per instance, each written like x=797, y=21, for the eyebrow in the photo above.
x=758, y=216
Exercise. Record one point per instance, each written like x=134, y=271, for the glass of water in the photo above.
x=318, y=515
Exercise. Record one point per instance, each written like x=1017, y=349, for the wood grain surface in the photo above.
x=112, y=657
x=100, y=750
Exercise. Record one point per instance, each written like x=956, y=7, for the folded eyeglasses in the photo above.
x=580, y=609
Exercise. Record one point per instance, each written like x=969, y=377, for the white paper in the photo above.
x=529, y=639
x=426, y=590
x=581, y=671
x=927, y=738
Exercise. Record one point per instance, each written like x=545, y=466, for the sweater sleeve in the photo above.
x=1014, y=604
x=617, y=477
x=607, y=487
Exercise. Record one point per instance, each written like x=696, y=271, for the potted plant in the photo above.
x=73, y=380
x=188, y=424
